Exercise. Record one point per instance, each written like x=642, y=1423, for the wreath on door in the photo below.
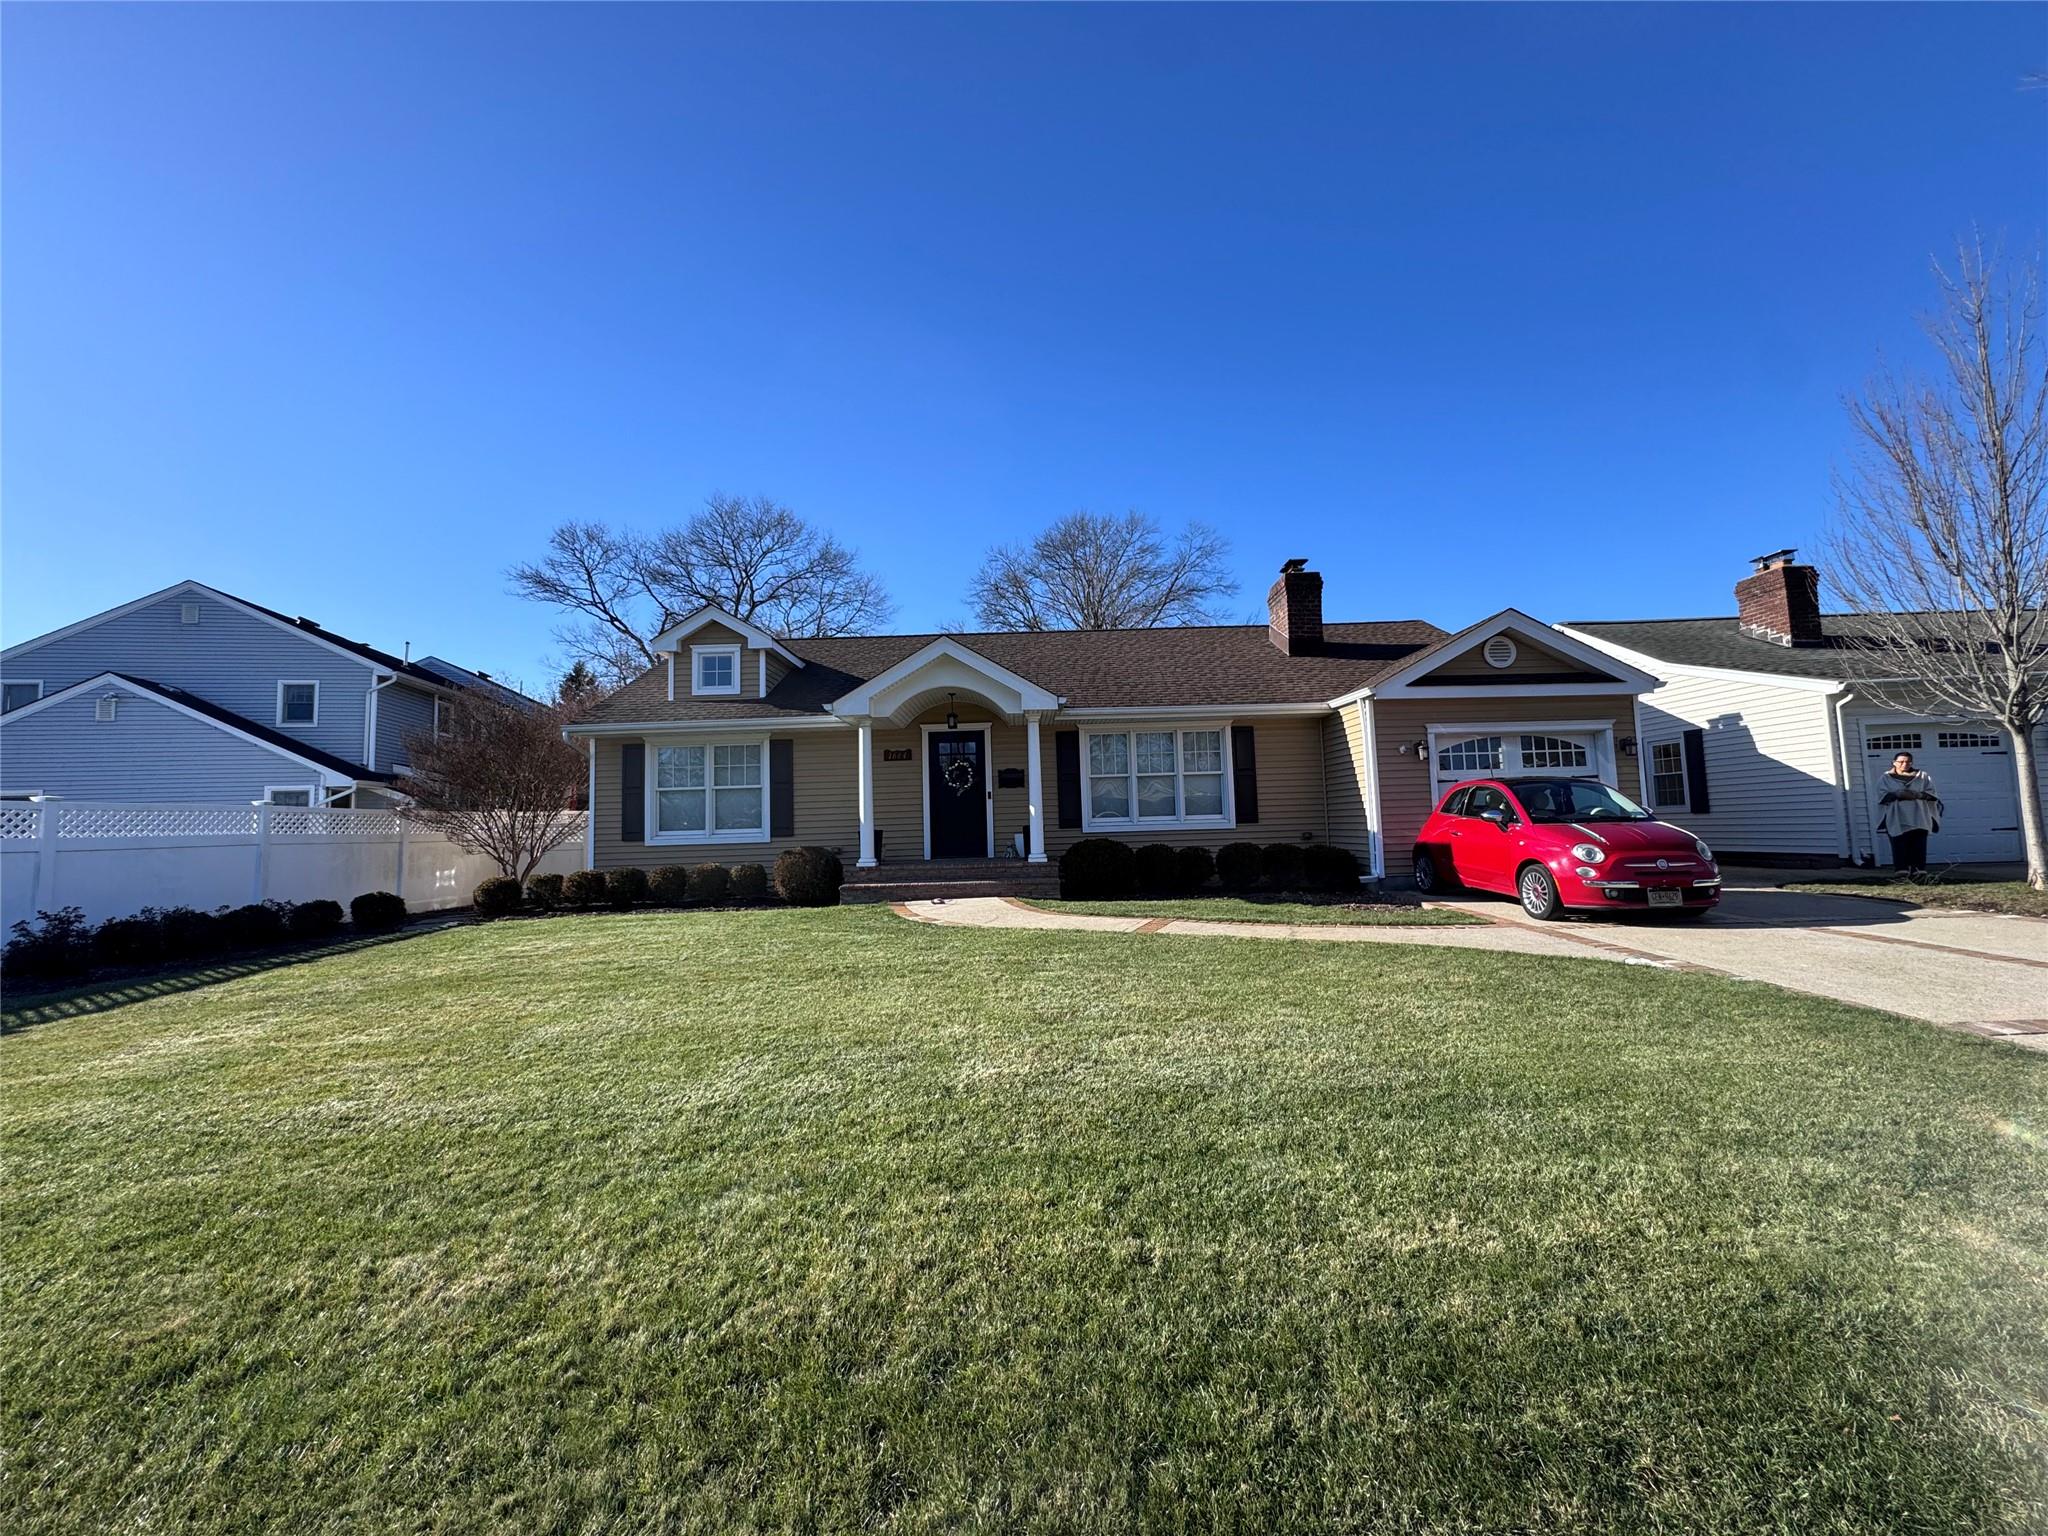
x=959, y=775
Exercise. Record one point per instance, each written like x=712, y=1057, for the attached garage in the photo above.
x=1461, y=752
x=1973, y=773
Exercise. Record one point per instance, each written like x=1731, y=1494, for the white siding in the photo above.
x=1771, y=773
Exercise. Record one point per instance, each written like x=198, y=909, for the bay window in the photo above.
x=1155, y=777
x=710, y=791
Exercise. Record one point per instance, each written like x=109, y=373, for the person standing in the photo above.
x=1907, y=811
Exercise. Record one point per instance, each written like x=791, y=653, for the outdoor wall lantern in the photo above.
x=1628, y=746
x=952, y=715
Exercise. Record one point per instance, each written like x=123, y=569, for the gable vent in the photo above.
x=103, y=709
x=188, y=613
x=1500, y=652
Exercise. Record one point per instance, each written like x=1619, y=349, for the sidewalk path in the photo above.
x=1980, y=973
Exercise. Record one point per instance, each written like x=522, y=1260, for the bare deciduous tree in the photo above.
x=1097, y=571
x=749, y=555
x=1940, y=541
x=498, y=780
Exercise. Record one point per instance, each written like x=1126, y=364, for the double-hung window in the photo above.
x=708, y=791
x=1156, y=777
x=715, y=669
x=14, y=695
x=1667, y=773
x=298, y=703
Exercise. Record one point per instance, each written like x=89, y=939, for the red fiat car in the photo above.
x=1564, y=845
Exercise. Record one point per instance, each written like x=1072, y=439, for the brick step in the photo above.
x=944, y=890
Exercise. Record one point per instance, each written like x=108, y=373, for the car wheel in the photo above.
x=1430, y=879
x=1539, y=893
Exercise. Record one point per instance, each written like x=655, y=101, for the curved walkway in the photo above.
x=1987, y=976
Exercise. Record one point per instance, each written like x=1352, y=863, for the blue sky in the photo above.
x=342, y=308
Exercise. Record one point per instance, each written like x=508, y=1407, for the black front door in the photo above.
x=956, y=790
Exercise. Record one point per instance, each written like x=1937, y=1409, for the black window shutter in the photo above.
x=633, y=793
x=1694, y=746
x=781, y=787
x=1066, y=756
x=1244, y=769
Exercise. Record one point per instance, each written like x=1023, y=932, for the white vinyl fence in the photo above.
x=113, y=859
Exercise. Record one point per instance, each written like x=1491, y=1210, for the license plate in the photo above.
x=1667, y=898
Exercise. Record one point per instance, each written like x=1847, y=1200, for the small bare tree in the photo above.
x=749, y=555
x=1940, y=540
x=1097, y=571
x=498, y=780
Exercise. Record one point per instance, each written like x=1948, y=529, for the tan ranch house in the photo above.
x=924, y=758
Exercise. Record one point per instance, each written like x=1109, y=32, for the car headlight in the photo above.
x=1705, y=852
x=1588, y=852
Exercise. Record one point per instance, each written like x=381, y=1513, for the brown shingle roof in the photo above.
x=1091, y=668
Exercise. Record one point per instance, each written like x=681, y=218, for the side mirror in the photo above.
x=1495, y=814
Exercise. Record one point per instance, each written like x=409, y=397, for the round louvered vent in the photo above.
x=1500, y=652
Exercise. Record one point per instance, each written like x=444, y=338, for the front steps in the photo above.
x=949, y=879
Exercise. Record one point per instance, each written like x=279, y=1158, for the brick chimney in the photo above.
x=1294, y=610
x=1780, y=602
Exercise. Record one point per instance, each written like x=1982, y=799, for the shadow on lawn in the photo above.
x=47, y=1007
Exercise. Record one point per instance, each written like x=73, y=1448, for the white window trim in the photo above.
x=988, y=768
x=1090, y=822
x=1603, y=766
x=298, y=682
x=23, y=682
x=697, y=655
x=310, y=791
x=1649, y=766
x=650, y=772
x=441, y=707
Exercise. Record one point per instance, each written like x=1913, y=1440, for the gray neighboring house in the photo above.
x=193, y=694
x=1757, y=736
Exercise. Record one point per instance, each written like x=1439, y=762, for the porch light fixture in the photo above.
x=1413, y=749
x=1628, y=746
x=952, y=715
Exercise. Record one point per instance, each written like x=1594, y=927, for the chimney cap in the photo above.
x=1774, y=558
x=1292, y=567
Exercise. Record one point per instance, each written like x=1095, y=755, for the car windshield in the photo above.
x=1576, y=800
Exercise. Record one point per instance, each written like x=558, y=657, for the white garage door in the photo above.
x=1972, y=769
x=1504, y=751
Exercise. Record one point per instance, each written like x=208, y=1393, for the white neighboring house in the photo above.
x=192, y=694
x=1757, y=734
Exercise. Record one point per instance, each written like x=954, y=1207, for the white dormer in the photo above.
x=716, y=664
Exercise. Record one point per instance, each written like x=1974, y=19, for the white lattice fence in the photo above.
x=112, y=860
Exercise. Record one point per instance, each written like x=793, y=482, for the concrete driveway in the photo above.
x=1973, y=970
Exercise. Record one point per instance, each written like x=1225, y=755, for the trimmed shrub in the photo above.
x=1284, y=866
x=624, y=888
x=59, y=945
x=809, y=877
x=260, y=925
x=544, y=892
x=190, y=934
x=377, y=911
x=137, y=940
x=1195, y=867
x=583, y=888
x=313, y=921
x=669, y=886
x=1098, y=869
x=708, y=884
x=748, y=883
x=1239, y=865
x=1330, y=869
x=496, y=897
x=1158, y=870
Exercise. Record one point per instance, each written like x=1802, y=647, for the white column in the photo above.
x=866, y=733
x=1035, y=778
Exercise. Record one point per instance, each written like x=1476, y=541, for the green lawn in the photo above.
x=1959, y=895
x=830, y=1221
x=1256, y=909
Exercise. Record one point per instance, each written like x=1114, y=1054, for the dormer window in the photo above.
x=715, y=669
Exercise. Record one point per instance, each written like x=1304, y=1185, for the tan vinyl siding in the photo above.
x=750, y=662
x=1344, y=782
x=1529, y=658
x=1405, y=778
x=826, y=804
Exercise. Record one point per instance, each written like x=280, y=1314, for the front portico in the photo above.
x=959, y=751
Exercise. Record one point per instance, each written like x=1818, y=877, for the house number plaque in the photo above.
x=895, y=754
